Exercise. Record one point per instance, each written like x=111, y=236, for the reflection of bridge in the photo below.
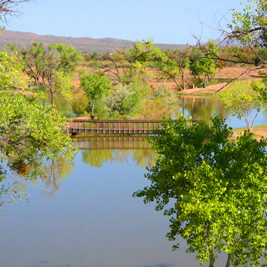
x=113, y=126
x=112, y=142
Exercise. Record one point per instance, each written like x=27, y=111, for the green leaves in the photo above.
x=213, y=190
x=240, y=97
x=249, y=25
x=29, y=132
x=203, y=62
x=95, y=85
x=52, y=67
x=10, y=72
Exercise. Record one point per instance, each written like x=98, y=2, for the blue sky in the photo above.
x=166, y=21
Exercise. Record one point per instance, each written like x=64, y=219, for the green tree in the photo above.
x=261, y=88
x=213, y=190
x=96, y=86
x=240, y=98
x=203, y=62
x=172, y=64
x=29, y=131
x=10, y=72
x=51, y=67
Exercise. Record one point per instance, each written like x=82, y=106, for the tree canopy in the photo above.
x=51, y=67
x=95, y=85
x=240, y=98
x=213, y=189
x=11, y=72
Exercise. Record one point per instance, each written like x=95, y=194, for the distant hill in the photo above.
x=83, y=44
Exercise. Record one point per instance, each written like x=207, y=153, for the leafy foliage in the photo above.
x=213, y=190
x=261, y=88
x=29, y=131
x=240, y=98
x=95, y=85
x=167, y=95
x=51, y=67
x=204, y=64
x=126, y=99
x=80, y=104
x=249, y=25
x=10, y=72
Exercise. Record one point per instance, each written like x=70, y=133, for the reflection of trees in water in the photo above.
x=58, y=170
x=144, y=157
x=202, y=108
x=14, y=184
x=98, y=150
x=96, y=158
x=12, y=187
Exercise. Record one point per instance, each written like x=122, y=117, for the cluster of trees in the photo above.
x=213, y=188
x=109, y=100
x=50, y=69
x=146, y=59
x=201, y=62
x=31, y=130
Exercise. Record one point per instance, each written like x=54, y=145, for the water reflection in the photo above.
x=198, y=107
x=202, y=108
x=99, y=150
x=57, y=172
x=87, y=215
x=96, y=151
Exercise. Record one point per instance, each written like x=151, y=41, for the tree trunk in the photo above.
x=228, y=261
x=177, y=84
x=211, y=254
x=52, y=92
x=93, y=109
x=52, y=99
x=247, y=122
x=183, y=80
x=211, y=263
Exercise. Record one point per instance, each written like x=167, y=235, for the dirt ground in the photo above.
x=259, y=132
x=208, y=90
x=225, y=73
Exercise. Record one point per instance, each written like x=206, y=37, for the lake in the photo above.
x=85, y=214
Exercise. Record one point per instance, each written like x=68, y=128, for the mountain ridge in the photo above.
x=83, y=44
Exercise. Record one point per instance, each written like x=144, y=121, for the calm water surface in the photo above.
x=86, y=216
x=198, y=107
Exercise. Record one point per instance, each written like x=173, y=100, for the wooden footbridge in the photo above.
x=77, y=126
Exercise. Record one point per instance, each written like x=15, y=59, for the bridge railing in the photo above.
x=113, y=126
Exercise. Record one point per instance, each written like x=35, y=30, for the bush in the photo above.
x=126, y=99
x=94, y=64
x=79, y=104
x=167, y=95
